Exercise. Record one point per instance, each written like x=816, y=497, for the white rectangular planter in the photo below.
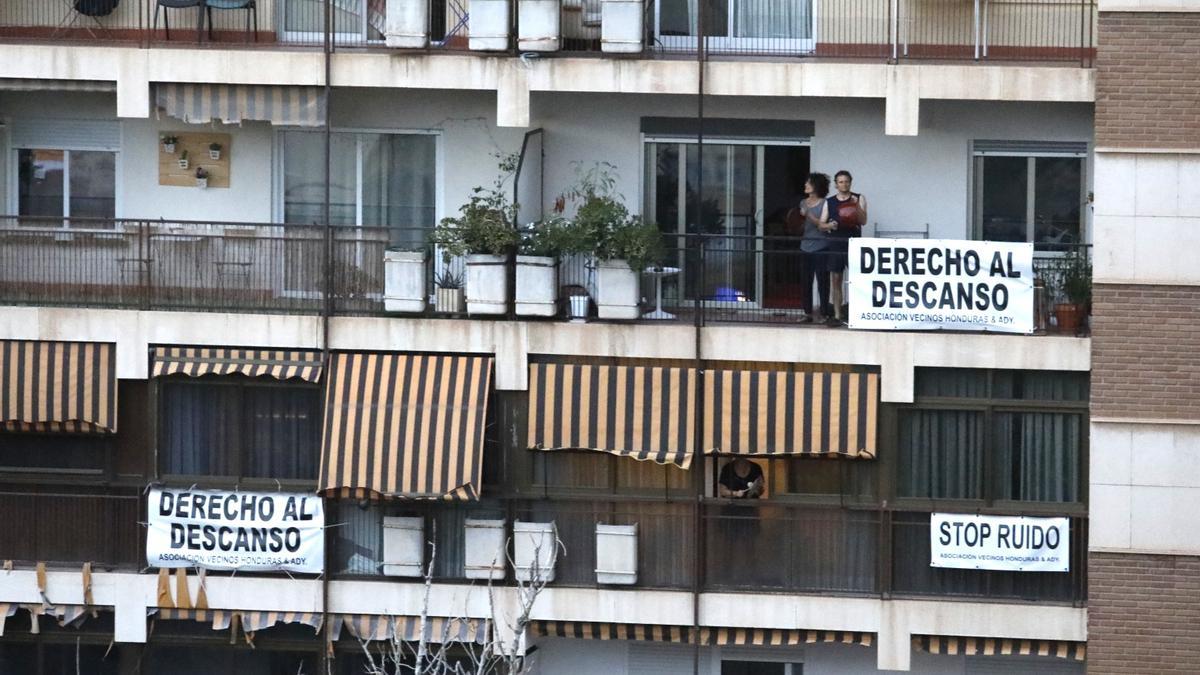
x=538, y=25
x=622, y=26
x=449, y=301
x=616, y=554
x=487, y=284
x=487, y=26
x=485, y=549
x=537, y=285
x=535, y=550
x=617, y=290
x=404, y=281
x=403, y=546
x=407, y=24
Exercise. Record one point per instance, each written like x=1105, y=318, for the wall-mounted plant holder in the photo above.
x=183, y=161
x=201, y=178
x=168, y=144
x=212, y=150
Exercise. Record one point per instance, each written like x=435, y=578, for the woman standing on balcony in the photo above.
x=814, y=247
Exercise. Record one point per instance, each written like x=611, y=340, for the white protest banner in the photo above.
x=1010, y=543
x=222, y=530
x=930, y=284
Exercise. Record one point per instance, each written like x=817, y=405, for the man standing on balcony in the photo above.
x=849, y=211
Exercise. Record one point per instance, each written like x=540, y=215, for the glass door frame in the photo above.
x=1030, y=157
x=730, y=43
x=650, y=203
x=341, y=38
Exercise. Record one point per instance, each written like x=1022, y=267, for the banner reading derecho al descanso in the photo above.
x=930, y=284
x=222, y=530
x=1008, y=543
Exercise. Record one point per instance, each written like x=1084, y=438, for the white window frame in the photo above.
x=359, y=37
x=14, y=197
x=731, y=43
x=1031, y=157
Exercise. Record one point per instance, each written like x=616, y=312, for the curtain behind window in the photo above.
x=199, y=429
x=1037, y=456
x=282, y=432
x=941, y=454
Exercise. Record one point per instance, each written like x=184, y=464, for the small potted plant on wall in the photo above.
x=201, y=177
x=622, y=244
x=1076, y=291
x=483, y=233
x=183, y=160
x=448, y=298
x=214, y=151
x=168, y=143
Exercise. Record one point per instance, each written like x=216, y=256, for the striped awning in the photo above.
x=58, y=386
x=647, y=413
x=775, y=413
x=440, y=630
x=978, y=646
x=233, y=103
x=708, y=635
x=67, y=615
x=276, y=363
x=404, y=425
x=31, y=84
x=251, y=621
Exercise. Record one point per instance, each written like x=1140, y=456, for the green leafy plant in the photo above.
x=485, y=224
x=448, y=279
x=170, y=140
x=603, y=222
x=554, y=236
x=215, y=147
x=1076, y=279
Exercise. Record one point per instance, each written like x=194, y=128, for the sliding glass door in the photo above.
x=737, y=25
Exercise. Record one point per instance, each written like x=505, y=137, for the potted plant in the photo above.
x=183, y=160
x=621, y=243
x=404, y=288
x=1075, y=285
x=488, y=25
x=621, y=26
x=407, y=24
x=484, y=234
x=448, y=299
x=214, y=151
x=538, y=25
x=168, y=143
x=537, y=266
x=201, y=177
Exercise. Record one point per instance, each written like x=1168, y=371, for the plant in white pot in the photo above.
x=404, y=288
x=487, y=27
x=537, y=265
x=201, y=177
x=538, y=25
x=448, y=298
x=168, y=143
x=621, y=243
x=483, y=232
x=622, y=26
x=406, y=25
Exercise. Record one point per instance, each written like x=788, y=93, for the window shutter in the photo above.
x=67, y=134
x=660, y=659
x=1026, y=148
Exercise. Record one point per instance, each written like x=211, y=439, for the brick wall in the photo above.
x=1148, y=80
x=1143, y=614
x=1146, y=352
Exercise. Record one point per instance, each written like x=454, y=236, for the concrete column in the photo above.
x=902, y=102
x=512, y=94
x=133, y=84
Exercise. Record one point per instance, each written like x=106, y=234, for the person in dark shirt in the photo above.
x=741, y=479
x=849, y=210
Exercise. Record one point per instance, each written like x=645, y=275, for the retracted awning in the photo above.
x=978, y=646
x=232, y=103
x=439, y=630
x=708, y=635
x=647, y=413
x=199, y=361
x=404, y=425
x=777, y=413
x=58, y=386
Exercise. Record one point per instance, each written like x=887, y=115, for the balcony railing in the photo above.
x=71, y=528
x=296, y=269
x=891, y=30
x=761, y=547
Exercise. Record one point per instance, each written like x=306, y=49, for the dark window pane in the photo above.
x=18, y=657
x=559, y=469
x=89, y=659
x=282, y=431
x=1037, y=456
x=752, y=668
x=1004, y=200
x=1057, y=196
x=941, y=454
x=1040, y=385
x=952, y=383
x=199, y=429
x=34, y=452
x=93, y=185
x=40, y=182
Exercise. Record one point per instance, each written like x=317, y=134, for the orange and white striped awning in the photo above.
x=437, y=629
x=281, y=364
x=58, y=386
x=979, y=646
x=404, y=425
x=713, y=636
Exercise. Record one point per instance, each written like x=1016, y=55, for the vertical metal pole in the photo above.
x=699, y=323
x=327, y=657
x=894, y=6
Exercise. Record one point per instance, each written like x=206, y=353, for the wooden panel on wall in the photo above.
x=196, y=146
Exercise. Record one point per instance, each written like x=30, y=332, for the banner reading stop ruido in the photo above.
x=222, y=530
x=1008, y=543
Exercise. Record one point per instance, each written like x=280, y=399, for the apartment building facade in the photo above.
x=167, y=331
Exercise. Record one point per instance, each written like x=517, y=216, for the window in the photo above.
x=730, y=25
x=56, y=183
x=353, y=20
x=243, y=430
x=1030, y=192
x=994, y=436
x=376, y=180
x=760, y=668
x=54, y=453
x=599, y=472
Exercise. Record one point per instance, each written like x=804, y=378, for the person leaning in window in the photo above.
x=741, y=479
x=814, y=248
x=848, y=211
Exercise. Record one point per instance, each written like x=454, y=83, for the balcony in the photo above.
x=313, y=270
x=1061, y=31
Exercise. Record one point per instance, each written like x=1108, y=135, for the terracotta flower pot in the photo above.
x=1070, y=317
